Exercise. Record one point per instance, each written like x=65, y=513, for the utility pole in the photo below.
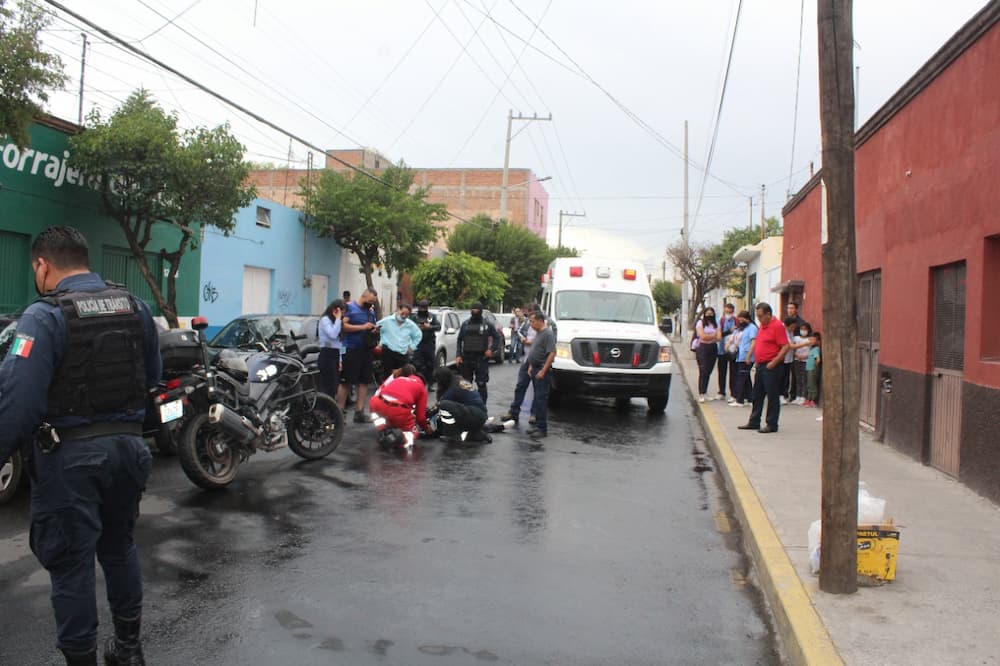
x=841, y=374
x=750, y=201
x=83, y=69
x=685, y=285
x=567, y=214
x=506, y=154
x=763, y=220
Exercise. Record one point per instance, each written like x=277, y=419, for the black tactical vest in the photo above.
x=103, y=368
x=426, y=337
x=475, y=338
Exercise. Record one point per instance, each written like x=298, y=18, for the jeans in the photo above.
x=722, y=368
x=812, y=380
x=520, y=389
x=799, y=370
x=85, y=502
x=540, y=400
x=743, y=387
x=706, y=355
x=768, y=387
x=329, y=371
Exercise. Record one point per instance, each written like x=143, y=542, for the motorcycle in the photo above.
x=266, y=401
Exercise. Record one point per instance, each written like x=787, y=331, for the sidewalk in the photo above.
x=943, y=607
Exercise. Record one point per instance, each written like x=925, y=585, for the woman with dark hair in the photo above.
x=460, y=407
x=707, y=336
x=330, y=347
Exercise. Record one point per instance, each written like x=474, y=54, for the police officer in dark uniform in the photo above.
x=429, y=325
x=75, y=380
x=460, y=408
x=475, y=349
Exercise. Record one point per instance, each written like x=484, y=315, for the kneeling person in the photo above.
x=402, y=401
x=460, y=407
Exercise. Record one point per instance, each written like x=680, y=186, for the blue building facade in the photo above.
x=269, y=264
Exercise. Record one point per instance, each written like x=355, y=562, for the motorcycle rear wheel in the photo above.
x=206, y=454
x=317, y=433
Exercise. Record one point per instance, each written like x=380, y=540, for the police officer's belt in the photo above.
x=99, y=429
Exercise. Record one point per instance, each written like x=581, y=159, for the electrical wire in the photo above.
x=171, y=21
x=718, y=116
x=795, y=112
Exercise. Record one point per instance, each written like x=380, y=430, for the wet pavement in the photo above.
x=611, y=543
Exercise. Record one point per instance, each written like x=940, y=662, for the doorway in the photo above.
x=948, y=344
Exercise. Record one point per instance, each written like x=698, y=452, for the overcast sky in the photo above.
x=431, y=81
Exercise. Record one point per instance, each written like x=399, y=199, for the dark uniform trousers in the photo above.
x=454, y=418
x=423, y=359
x=475, y=364
x=767, y=387
x=84, y=502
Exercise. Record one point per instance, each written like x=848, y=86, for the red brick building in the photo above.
x=927, y=196
x=466, y=192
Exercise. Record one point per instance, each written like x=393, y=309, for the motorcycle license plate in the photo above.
x=171, y=411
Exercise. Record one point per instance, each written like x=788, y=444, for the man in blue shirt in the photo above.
x=400, y=336
x=75, y=381
x=359, y=328
x=747, y=331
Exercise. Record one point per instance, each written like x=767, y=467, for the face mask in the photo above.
x=803, y=332
x=400, y=318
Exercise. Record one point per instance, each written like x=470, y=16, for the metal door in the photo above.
x=15, y=270
x=320, y=284
x=948, y=344
x=118, y=265
x=869, y=317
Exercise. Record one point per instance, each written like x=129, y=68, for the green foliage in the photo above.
x=385, y=224
x=26, y=72
x=556, y=252
x=516, y=251
x=667, y=296
x=152, y=173
x=460, y=279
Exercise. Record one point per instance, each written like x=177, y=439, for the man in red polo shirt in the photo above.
x=768, y=348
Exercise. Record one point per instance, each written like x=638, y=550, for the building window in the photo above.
x=989, y=340
x=263, y=217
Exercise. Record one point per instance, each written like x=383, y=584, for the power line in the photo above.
x=171, y=21
x=795, y=112
x=718, y=114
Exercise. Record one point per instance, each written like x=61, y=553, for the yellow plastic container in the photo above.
x=878, y=549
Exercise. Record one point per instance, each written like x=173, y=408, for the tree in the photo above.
x=516, y=252
x=26, y=72
x=151, y=173
x=704, y=267
x=460, y=279
x=667, y=296
x=382, y=223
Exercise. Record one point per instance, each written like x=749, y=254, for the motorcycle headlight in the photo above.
x=664, y=355
x=563, y=350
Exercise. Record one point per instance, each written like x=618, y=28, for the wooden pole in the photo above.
x=841, y=373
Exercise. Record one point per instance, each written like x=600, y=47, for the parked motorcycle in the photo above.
x=169, y=405
x=261, y=402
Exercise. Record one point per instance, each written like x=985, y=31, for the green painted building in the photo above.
x=38, y=190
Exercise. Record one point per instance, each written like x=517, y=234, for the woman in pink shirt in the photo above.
x=707, y=336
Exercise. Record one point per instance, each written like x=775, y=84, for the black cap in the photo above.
x=422, y=303
x=476, y=306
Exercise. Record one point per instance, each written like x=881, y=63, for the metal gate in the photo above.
x=948, y=340
x=15, y=270
x=118, y=265
x=869, y=316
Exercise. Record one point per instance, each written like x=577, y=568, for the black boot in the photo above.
x=80, y=658
x=125, y=647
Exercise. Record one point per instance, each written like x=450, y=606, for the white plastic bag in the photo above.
x=814, y=529
x=871, y=511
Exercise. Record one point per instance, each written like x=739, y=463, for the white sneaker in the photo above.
x=701, y=398
x=730, y=400
x=782, y=400
x=800, y=401
x=719, y=396
x=736, y=404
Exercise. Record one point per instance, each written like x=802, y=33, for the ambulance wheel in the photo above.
x=657, y=403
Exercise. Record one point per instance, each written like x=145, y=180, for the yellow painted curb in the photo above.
x=803, y=634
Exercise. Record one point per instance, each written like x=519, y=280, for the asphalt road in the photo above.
x=611, y=543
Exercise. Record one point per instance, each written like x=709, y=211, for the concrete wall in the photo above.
x=38, y=190
x=286, y=248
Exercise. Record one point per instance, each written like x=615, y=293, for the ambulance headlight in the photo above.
x=664, y=355
x=563, y=350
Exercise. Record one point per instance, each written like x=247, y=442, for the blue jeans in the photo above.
x=520, y=389
x=540, y=400
x=85, y=502
x=768, y=386
x=742, y=387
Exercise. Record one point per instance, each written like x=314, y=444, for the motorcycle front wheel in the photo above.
x=317, y=433
x=206, y=454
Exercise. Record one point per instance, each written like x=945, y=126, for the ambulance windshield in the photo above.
x=604, y=306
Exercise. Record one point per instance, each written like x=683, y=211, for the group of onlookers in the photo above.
x=772, y=360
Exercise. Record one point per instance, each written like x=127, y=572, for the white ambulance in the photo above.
x=608, y=343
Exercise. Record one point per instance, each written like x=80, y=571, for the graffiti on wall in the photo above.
x=209, y=293
x=285, y=299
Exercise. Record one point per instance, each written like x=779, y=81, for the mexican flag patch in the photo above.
x=22, y=346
